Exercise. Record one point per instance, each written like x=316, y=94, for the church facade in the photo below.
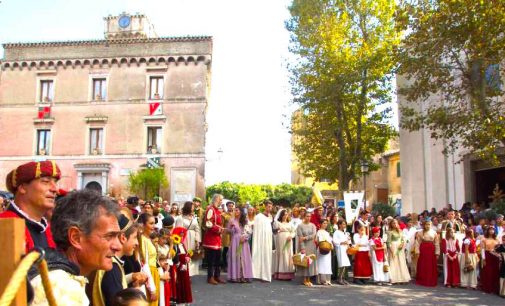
x=432, y=179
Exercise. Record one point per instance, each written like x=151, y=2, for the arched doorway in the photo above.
x=94, y=186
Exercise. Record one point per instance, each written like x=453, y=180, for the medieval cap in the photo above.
x=30, y=171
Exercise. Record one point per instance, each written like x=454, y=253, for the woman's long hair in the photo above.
x=281, y=215
x=242, y=219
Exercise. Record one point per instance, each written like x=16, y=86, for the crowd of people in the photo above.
x=103, y=251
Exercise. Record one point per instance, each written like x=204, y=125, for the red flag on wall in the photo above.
x=44, y=112
x=155, y=109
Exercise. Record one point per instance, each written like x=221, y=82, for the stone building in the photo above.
x=104, y=108
x=431, y=179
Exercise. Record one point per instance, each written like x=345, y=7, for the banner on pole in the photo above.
x=353, y=202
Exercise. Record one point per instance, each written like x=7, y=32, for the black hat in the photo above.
x=168, y=221
x=123, y=222
x=125, y=219
x=132, y=200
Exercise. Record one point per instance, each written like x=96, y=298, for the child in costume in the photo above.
x=378, y=257
x=469, y=261
x=164, y=270
x=183, y=282
x=362, y=264
x=451, y=250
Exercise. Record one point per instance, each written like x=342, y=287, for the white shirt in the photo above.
x=362, y=240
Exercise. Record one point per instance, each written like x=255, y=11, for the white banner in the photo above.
x=353, y=203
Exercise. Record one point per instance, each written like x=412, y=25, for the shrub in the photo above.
x=499, y=206
x=385, y=210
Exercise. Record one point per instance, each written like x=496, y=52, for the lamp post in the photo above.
x=364, y=170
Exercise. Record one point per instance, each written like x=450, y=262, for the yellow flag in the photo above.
x=317, y=198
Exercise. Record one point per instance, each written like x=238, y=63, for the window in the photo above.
x=153, y=139
x=99, y=89
x=156, y=87
x=96, y=141
x=46, y=90
x=398, y=170
x=43, y=138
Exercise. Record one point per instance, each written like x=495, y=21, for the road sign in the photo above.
x=153, y=163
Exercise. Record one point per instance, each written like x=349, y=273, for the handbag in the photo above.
x=198, y=254
x=468, y=263
x=303, y=261
x=352, y=250
x=385, y=268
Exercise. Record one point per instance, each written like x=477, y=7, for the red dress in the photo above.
x=362, y=264
x=379, y=254
x=452, y=276
x=315, y=219
x=427, y=273
x=172, y=284
x=490, y=274
x=183, y=283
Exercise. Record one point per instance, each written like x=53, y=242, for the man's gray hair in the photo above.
x=216, y=196
x=80, y=209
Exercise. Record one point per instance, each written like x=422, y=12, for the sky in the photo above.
x=249, y=105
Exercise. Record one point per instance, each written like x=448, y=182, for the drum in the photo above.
x=325, y=247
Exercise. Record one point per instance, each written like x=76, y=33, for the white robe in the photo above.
x=323, y=261
x=262, y=248
x=378, y=267
x=341, y=249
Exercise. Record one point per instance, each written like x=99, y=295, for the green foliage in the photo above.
x=285, y=194
x=385, y=210
x=288, y=194
x=251, y=194
x=452, y=57
x=227, y=189
x=488, y=214
x=342, y=84
x=147, y=182
x=499, y=206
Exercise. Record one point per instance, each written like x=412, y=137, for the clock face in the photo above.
x=124, y=21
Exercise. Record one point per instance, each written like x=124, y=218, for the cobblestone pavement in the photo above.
x=293, y=293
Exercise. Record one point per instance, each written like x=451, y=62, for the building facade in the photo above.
x=103, y=109
x=380, y=186
x=431, y=179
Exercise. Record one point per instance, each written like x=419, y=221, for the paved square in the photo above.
x=293, y=293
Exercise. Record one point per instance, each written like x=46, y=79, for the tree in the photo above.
x=227, y=189
x=342, y=82
x=148, y=182
x=251, y=193
x=283, y=194
x=451, y=61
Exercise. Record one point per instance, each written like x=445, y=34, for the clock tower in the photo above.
x=128, y=26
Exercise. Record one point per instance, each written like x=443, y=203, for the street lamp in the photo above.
x=364, y=170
